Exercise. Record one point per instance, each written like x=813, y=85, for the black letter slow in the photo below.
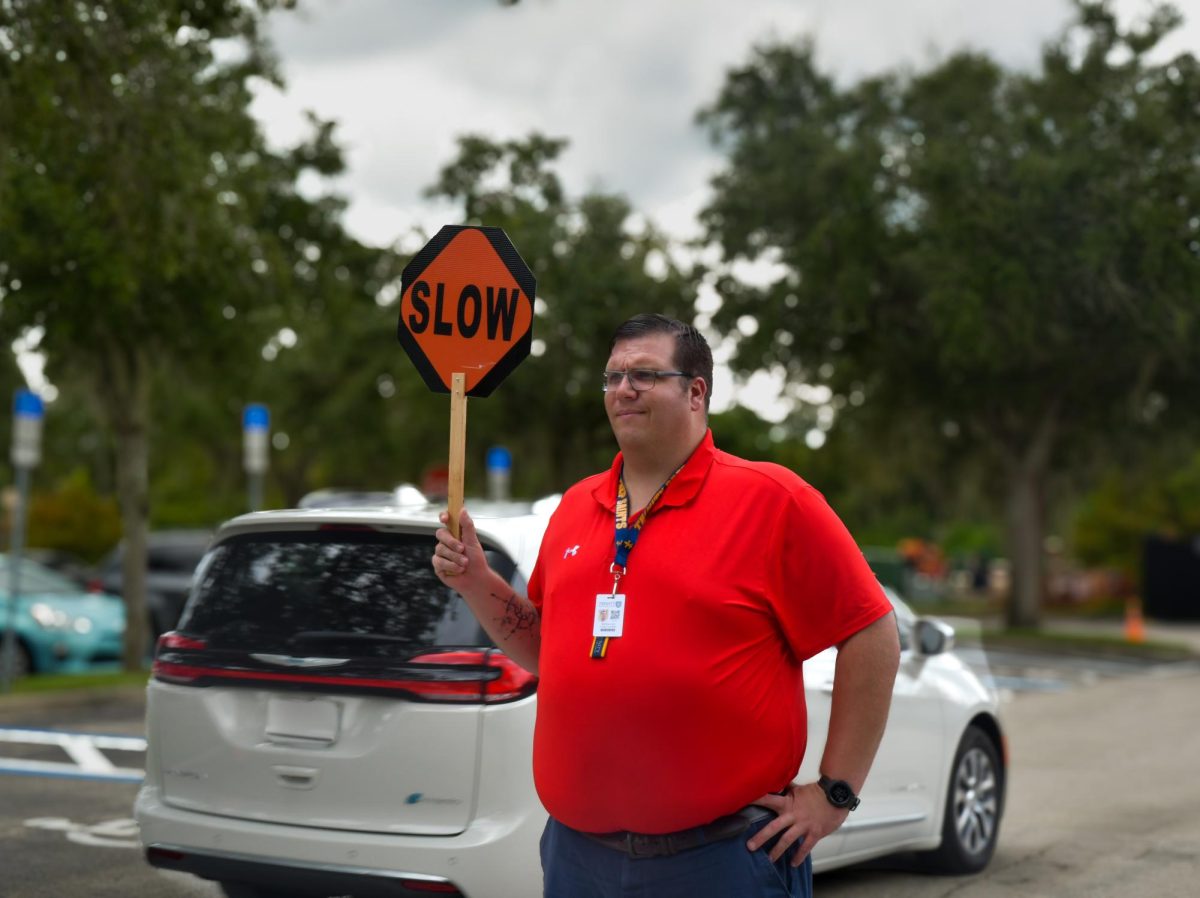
x=441, y=326
x=419, y=320
x=468, y=328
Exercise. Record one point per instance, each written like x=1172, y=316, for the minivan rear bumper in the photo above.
x=296, y=879
x=493, y=857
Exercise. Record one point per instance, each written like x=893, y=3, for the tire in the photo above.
x=22, y=660
x=974, y=806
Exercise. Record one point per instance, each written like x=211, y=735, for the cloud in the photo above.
x=621, y=79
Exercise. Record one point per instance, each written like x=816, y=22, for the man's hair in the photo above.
x=692, y=353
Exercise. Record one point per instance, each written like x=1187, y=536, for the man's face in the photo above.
x=661, y=417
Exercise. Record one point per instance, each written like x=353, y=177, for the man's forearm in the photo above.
x=510, y=619
x=862, y=694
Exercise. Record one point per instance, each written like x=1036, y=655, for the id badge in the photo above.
x=610, y=615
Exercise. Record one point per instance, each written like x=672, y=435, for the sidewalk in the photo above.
x=1186, y=633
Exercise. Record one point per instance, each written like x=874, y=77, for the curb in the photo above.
x=72, y=698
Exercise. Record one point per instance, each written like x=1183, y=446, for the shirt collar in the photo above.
x=679, y=491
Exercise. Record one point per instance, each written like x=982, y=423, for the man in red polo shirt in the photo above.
x=673, y=603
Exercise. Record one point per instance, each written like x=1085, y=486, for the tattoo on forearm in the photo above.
x=516, y=616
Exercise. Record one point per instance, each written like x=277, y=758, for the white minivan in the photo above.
x=329, y=719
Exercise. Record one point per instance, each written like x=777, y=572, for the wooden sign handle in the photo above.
x=458, y=449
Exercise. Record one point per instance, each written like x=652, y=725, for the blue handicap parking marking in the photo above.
x=82, y=754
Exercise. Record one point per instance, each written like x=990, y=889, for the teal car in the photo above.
x=60, y=627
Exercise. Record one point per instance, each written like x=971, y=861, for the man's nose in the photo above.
x=624, y=385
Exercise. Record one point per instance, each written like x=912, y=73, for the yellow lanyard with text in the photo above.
x=625, y=538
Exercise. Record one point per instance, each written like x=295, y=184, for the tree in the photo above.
x=1009, y=259
x=144, y=224
x=595, y=265
x=1159, y=494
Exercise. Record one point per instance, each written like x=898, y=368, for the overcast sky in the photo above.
x=620, y=79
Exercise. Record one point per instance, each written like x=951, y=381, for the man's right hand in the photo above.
x=510, y=619
x=460, y=563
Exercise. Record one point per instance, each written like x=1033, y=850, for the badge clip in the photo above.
x=618, y=571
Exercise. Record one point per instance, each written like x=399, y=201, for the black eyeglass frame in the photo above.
x=611, y=384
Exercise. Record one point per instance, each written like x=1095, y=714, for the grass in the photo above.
x=990, y=616
x=64, y=682
x=1101, y=608
x=1090, y=644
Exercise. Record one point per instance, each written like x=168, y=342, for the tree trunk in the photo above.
x=127, y=404
x=1026, y=523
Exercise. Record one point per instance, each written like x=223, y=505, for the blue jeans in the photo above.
x=574, y=866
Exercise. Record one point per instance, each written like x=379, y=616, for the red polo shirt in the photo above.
x=741, y=572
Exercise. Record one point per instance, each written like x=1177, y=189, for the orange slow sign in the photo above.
x=466, y=305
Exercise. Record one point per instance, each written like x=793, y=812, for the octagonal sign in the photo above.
x=466, y=305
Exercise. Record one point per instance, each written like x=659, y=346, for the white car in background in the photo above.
x=328, y=719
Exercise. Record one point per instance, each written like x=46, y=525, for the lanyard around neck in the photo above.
x=626, y=535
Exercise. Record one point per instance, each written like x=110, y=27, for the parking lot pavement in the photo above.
x=1103, y=800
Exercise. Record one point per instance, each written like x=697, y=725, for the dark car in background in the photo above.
x=171, y=559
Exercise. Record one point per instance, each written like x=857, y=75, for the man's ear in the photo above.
x=697, y=390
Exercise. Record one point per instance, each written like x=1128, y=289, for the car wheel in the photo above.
x=974, y=804
x=22, y=663
x=245, y=890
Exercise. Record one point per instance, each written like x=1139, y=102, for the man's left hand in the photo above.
x=804, y=816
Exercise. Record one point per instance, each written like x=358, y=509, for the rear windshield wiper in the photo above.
x=422, y=661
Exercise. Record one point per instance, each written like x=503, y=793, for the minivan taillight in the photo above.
x=459, y=676
x=171, y=671
x=513, y=681
x=175, y=640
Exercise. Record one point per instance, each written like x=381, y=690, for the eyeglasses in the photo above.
x=641, y=379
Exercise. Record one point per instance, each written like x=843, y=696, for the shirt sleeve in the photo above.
x=537, y=580
x=536, y=583
x=822, y=587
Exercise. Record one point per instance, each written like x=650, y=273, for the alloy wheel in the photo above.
x=975, y=801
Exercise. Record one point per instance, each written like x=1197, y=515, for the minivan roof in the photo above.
x=516, y=526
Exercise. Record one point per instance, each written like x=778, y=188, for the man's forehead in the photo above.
x=651, y=348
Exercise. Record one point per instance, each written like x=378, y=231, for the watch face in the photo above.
x=840, y=793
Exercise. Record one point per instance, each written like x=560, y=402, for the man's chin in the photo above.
x=629, y=429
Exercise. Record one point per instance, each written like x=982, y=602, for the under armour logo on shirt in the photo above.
x=574, y=550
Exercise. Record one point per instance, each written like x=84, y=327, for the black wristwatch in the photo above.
x=839, y=793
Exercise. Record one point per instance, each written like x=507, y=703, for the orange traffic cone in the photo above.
x=1135, y=626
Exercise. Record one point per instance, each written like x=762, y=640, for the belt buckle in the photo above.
x=638, y=845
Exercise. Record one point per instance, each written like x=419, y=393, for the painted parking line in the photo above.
x=119, y=833
x=84, y=753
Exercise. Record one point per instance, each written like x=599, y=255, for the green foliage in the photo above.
x=739, y=431
x=1130, y=503
x=74, y=518
x=1004, y=266
x=102, y=683
x=124, y=142
x=961, y=538
x=990, y=244
x=596, y=266
x=146, y=229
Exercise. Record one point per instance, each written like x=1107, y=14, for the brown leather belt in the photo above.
x=638, y=845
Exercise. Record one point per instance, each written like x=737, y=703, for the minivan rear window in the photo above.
x=352, y=593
